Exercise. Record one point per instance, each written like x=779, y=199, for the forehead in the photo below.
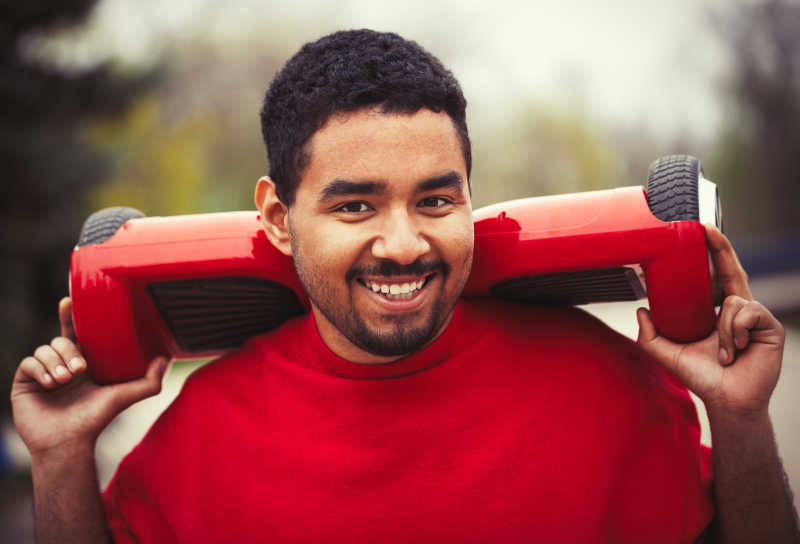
x=368, y=145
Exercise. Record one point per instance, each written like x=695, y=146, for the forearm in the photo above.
x=67, y=502
x=752, y=497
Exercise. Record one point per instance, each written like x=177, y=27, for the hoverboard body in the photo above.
x=197, y=285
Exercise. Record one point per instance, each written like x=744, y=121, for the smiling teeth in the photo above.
x=396, y=288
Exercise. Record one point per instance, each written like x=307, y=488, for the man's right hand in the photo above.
x=56, y=404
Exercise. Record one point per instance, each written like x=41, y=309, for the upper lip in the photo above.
x=394, y=279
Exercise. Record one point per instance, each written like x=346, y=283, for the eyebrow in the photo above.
x=450, y=180
x=345, y=187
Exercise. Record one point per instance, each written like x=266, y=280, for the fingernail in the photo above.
x=61, y=371
x=723, y=355
x=75, y=363
x=47, y=379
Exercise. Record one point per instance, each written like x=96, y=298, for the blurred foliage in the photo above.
x=545, y=149
x=542, y=150
x=758, y=150
x=195, y=145
x=49, y=167
x=158, y=167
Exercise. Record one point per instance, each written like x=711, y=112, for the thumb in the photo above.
x=148, y=385
x=65, y=318
x=661, y=349
x=694, y=364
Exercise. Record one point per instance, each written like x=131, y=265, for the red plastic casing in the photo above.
x=600, y=229
x=120, y=330
x=118, y=326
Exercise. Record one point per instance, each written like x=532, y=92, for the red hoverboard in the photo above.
x=198, y=285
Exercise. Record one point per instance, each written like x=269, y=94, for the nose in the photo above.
x=400, y=239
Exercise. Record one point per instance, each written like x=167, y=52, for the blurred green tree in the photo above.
x=49, y=165
x=159, y=167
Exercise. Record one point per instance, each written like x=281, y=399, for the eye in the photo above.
x=433, y=202
x=354, y=207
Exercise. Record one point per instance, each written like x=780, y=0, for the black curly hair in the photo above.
x=344, y=72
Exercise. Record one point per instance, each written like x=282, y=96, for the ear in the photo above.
x=274, y=215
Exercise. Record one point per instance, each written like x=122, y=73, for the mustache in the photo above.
x=388, y=268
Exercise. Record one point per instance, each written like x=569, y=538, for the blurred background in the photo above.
x=154, y=104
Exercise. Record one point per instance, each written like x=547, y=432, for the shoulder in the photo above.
x=215, y=400
x=569, y=342
x=217, y=391
x=532, y=323
x=245, y=366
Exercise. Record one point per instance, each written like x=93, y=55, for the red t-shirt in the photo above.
x=518, y=424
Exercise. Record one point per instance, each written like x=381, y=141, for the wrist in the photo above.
x=65, y=452
x=721, y=416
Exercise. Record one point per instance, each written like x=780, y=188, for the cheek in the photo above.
x=327, y=248
x=459, y=243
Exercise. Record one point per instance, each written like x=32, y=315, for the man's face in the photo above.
x=381, y=231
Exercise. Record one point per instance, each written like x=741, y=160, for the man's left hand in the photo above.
x=734, y=369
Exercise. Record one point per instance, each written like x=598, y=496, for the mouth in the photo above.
x=397, y=289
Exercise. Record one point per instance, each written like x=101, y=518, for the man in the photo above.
x=394, y=411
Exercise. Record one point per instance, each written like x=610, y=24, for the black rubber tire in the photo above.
x=102, y=224
x=672, y=188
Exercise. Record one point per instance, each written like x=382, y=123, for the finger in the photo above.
x=730, y=272
x=65, y=317
x=31, y=369
x=148, y=385
x=69, y=353
x=52, y=361
x=730, y=307
x=751, y=318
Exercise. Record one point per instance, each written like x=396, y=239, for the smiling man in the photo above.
x=395, y=411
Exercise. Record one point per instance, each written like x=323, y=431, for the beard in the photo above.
x=398, y=334
x=402, y=339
